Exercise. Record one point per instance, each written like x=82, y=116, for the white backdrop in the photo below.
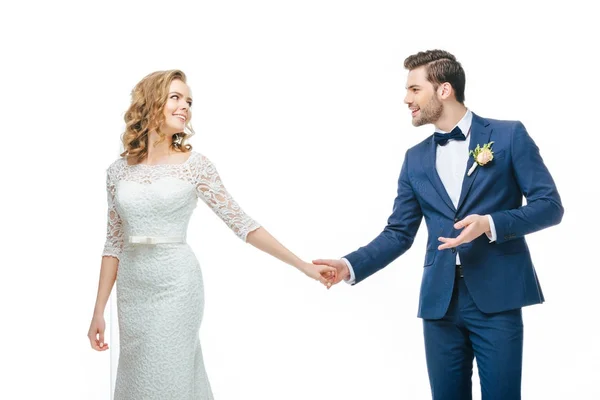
x=299, y=105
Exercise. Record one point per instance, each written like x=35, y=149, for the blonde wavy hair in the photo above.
x=145, y=114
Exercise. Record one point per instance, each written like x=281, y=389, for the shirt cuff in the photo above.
x=492, y=229
x=350, y=280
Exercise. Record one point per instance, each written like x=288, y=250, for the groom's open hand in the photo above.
x=473, y=226
x=342, y=271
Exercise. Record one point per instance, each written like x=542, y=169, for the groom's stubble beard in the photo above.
x=432, y=111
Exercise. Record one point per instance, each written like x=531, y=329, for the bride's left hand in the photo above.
x=322, y=273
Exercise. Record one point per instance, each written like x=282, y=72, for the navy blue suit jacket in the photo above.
x=500, y=275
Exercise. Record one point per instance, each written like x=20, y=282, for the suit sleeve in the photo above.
x=544, y=207
x=398, y=235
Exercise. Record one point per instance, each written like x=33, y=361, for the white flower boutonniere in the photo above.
x=482, y=156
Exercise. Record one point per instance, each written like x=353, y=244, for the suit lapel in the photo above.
x=480, y=135
x=432, y=174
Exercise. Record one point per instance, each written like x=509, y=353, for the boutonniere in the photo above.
x=482, y=156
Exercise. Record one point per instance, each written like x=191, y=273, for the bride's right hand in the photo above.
x=96, y=334
x=322, y=273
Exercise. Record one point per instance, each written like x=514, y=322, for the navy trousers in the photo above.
x=494, y=340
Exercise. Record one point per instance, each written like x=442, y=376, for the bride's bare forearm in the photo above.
x=108, y=275
x=263, y=240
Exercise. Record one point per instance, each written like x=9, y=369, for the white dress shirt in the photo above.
x=451, y=163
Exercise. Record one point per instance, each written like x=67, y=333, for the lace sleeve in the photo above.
x=114, y=228
x=211, y=190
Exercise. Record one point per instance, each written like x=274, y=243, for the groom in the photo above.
x=478, y=272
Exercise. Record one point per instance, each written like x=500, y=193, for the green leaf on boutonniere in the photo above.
x=483, y=155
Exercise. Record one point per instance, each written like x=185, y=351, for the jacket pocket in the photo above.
x=429, y=257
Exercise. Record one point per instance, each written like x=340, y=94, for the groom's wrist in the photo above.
x=347, y=271
x=491, y=233
x=486, y=224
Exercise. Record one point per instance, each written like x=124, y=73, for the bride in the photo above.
x=152, y=191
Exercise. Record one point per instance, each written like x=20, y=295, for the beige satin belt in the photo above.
x=156, y=239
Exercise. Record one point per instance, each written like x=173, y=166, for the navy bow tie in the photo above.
x=443, y=138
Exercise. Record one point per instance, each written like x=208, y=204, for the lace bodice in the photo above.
x=158, y=200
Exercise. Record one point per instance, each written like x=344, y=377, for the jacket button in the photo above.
x=453, y=250
x=455, y=219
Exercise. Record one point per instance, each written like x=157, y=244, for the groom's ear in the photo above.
x=444, y=90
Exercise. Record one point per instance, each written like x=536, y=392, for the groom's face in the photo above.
x=422, y=98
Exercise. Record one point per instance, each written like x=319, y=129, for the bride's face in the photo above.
x=177, y=110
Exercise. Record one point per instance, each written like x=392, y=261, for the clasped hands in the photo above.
x=331, y=272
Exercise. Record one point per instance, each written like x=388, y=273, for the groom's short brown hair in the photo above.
x=441, y=67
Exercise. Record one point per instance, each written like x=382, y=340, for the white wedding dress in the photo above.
x=160, y=295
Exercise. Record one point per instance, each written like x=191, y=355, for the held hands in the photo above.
x=342, y=271
x=96, y=333
x=473, y=225
x=325, y=274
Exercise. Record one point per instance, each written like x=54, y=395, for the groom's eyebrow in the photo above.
x=412, y=87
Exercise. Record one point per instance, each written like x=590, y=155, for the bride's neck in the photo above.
x=159, y=150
